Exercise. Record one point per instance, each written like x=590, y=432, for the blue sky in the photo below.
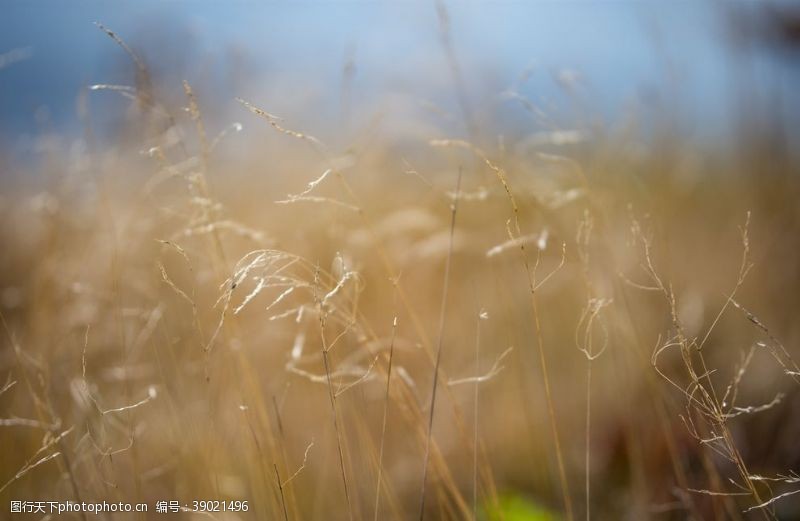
x=672, y=54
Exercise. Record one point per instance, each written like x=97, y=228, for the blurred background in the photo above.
x=225, y=227
x=703, y=68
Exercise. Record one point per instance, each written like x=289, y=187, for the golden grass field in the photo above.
x=455, y=327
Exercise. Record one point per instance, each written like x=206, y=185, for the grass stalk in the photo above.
x=437, y=363
x=383, y=420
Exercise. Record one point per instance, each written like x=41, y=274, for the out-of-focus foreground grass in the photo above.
x=611, y=328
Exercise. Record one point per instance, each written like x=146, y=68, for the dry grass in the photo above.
x=380, y=345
